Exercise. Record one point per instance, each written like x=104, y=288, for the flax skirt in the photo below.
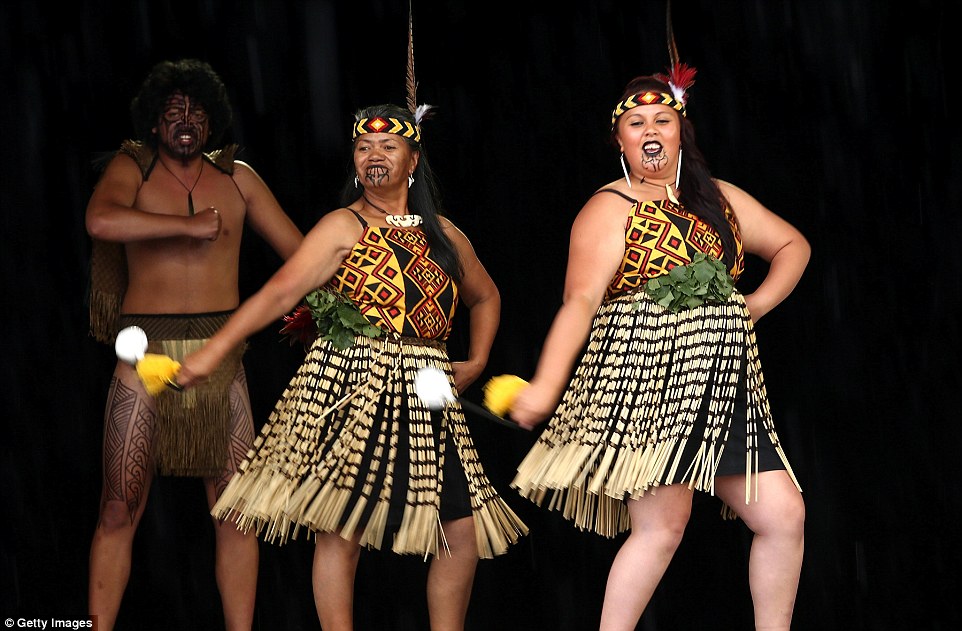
x=658, y=398
x=350, y=449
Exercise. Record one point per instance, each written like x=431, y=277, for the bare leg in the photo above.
x=335, y=564
x=451, y=577
x=658, y=523
x=778, y=521
x=237, y=553
x=127, y=468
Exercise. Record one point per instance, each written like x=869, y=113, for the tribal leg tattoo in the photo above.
x=128, y=430
x=241, y=430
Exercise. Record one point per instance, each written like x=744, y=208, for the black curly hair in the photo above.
x=192, y=77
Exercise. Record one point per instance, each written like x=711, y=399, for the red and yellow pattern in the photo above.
x=387, y=125
x=389, y=264
x=646, y=98
x=660, y=235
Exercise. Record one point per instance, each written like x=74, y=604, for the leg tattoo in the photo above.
x=128, y=430
x=241, y=430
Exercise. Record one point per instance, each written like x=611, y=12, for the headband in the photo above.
x=390, y=125
x=382, y=125
x=646, y=98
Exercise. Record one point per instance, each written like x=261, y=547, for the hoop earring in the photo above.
x=624, y=169
x=410, y=180
x=355, y=181
x=678, y=171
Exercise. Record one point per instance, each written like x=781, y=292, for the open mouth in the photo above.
x=652, y=148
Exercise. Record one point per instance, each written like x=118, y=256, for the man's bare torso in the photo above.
x=181, y=274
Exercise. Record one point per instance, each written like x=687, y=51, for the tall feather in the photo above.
x=680, y=76
x=412, y=85
x=673, y=58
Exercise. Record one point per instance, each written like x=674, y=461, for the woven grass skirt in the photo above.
x=327, y=460
x=192, y=428
x=651, y=403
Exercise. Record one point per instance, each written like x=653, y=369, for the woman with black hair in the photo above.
x=653, y=358
x=350, y=453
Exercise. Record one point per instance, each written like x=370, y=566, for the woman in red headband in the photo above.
x=350, y=454
x=667, y=394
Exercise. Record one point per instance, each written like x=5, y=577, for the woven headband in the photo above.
x=647, y=98
x=387, y=125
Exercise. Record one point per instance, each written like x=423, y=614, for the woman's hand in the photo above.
x=755, y=309
x=197, y=367
x=466, y=373
x=533, y=405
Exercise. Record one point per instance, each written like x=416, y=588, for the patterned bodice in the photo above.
x=660, y=235
x=392, y=279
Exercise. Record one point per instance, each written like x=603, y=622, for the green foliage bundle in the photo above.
x=703, y=280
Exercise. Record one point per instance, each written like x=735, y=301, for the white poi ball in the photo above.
x=131, y=344
x=431, y=386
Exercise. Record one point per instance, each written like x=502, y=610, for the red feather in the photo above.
x=682, y=76
x=300, y=326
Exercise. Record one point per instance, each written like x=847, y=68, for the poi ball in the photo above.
x=500, y=393
x=131, y=345
x=432, y=387
x=157, y=373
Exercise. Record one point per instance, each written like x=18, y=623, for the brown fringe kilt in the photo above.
x=330, y=456
x=192, y=430
x=108, y=283
x=646, y=380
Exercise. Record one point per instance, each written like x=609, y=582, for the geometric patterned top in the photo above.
x=660, y=235
x=392, y=279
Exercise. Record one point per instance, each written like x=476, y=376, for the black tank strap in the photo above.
x=616, y=192
x=359, y=218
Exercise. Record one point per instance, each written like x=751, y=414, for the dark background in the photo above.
x=836, y=115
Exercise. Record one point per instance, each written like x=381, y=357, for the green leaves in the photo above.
x=703, y=280
x=338, y=319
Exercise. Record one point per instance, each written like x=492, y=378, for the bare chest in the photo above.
x=167, y=193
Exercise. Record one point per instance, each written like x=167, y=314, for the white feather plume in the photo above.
x=678, y=93
x=421, y=112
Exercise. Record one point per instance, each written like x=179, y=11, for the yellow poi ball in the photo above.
x=500, y=392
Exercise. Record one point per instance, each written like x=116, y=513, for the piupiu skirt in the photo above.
x=657, y=398
x=350, y=449
x=192, y=428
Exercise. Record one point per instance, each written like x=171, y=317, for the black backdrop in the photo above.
x=837, y=115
